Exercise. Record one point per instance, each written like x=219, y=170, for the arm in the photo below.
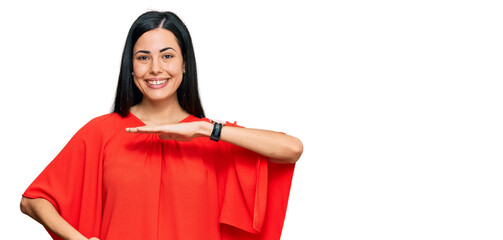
x=44, y=212
x=278, y=147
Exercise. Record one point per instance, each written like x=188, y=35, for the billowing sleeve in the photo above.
x=253, y=194
x=72, y=182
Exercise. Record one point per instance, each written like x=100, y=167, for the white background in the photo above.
x=398, y=103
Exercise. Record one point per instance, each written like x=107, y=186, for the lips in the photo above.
x=157, y=83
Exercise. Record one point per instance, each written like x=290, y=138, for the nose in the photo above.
x=155, y=67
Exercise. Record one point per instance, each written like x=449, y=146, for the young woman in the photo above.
x=156, y=168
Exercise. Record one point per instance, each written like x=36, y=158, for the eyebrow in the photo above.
x=164, y=49
x=148, y=52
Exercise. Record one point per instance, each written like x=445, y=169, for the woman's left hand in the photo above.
x=276, y=146
x=179, y=131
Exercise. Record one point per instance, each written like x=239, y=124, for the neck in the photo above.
x=159, y=112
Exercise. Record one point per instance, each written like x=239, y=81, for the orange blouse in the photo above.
x=115, y=185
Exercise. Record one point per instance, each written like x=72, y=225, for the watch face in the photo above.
x=217, y=129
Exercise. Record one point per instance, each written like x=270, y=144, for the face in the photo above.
x=158, y=65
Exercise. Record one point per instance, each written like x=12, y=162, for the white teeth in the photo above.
x=157, y=82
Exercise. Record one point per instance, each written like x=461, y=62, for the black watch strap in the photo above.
x=217, y=130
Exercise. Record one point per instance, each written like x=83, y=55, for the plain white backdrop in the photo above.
x=398, y=103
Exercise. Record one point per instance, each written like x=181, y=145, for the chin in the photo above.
x=160, y=98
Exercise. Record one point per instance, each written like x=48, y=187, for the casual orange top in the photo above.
x=116, y=185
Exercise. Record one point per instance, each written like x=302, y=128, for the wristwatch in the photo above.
x=217, y=129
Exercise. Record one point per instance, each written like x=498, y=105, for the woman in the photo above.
x=156, y=168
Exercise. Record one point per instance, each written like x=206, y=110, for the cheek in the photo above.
x=140, y=69
x=138, y=86
x=174, y=68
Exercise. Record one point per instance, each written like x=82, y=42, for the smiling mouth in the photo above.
x=156, y=82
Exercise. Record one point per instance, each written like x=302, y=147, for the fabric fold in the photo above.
x=247, y=198
x=72, y=182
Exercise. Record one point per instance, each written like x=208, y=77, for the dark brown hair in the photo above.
x=128, y=94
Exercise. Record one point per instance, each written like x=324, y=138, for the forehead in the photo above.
x=156, y=39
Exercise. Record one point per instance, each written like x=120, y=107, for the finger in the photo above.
x=143, y=130
x=131, y=130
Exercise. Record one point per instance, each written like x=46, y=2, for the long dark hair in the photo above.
x=128, y=94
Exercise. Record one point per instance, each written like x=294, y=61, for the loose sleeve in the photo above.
x=71, y=183
x=253, y=195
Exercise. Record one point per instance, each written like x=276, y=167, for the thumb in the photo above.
x=93, y=238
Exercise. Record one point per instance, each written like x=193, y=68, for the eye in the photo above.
x=167, y=56
x=142, y=58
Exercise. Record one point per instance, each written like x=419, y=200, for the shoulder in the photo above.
x=101, y=125
x=104, y=121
